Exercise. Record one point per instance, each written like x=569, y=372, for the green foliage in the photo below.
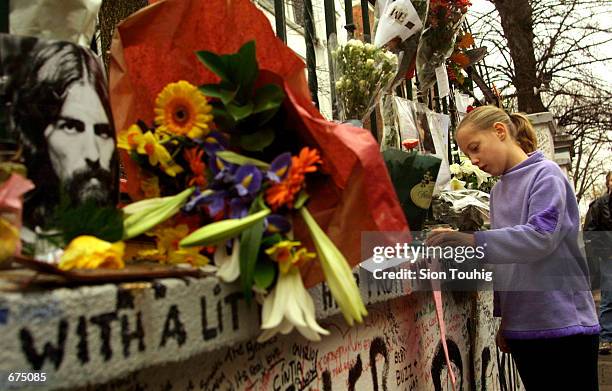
x=235, y=158
x=266, y=269
x=242, y=110
x=250, y=242
x=104, y=223
x=265, y=273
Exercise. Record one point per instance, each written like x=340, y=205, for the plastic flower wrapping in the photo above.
x=230, y=165
x=361, y=72
x=438, y=39
x=13, y=185
x=398, y=28
x=465, y=209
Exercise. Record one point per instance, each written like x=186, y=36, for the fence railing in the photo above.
x=363, y=27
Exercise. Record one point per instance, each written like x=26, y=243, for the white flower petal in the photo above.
x=289, y=305
x=266, y=335
x=229, y=265
x=309, y=334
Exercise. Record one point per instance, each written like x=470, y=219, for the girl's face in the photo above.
x=487, y=149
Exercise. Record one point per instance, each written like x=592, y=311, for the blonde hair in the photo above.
x=520, y=128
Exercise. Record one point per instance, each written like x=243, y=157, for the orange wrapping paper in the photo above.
x=156, y=46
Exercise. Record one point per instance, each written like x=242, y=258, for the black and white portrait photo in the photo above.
x=56, y=99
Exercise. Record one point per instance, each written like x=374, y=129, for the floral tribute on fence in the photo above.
x=362, y=71
x=438, y=39
x=230, y=168
x=459, y=60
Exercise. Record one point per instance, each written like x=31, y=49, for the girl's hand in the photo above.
x=501, y=342
x=446, y=237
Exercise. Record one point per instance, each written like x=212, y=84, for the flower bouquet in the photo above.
x=468, y=176
x=399, y=28
x=438, y=38
x=230, y=164
x=361, y=72
x=459, y=61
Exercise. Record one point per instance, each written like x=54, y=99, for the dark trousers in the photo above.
x=566, y=363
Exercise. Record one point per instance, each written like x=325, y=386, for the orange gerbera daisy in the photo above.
x=197, y=166
x=284, y=193
x=181, y=109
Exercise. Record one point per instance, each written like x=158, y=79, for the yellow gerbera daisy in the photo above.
x=181, y=109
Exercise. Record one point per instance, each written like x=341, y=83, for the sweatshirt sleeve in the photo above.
x=536, y=239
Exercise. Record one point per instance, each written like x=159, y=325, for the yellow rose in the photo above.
x=89, y=252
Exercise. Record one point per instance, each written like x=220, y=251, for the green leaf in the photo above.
x=265, y=273
x=222, y=230
x=235, y=158
x=105, y=223
x=216, y=91
x=247, y=67
x=301, y=200
x=223, y=119
x=268, y=97
x=250, y=241
x=215, y=63
x=271, y=240
x=257, y=141
x=239, y=113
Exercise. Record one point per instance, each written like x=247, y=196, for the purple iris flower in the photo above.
x=276, y=224
x=196, y=198
x=279, y=167
x=248, y=180
x=214, y=142
x=222, y=170
x=239, y=208
x=215, y=201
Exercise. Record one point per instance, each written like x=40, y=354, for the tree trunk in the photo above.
x=516, y=20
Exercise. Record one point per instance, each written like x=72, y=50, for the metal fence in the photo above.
x=406, y=89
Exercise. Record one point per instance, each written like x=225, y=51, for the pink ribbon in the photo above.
x=437, y=296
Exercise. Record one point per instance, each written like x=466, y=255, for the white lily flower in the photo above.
x=456, y=184
x=289, y=305
x=229, y=265
x=337, y=272
x=481, y=176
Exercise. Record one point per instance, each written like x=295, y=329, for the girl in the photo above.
x=549, y=324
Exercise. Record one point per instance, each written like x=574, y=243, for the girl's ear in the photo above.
x=501, y=131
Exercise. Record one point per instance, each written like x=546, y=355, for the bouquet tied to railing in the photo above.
x=229, y=164
x=438, y=39
x=361, y=72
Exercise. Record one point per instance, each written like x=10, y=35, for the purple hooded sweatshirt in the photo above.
x=541, y=274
